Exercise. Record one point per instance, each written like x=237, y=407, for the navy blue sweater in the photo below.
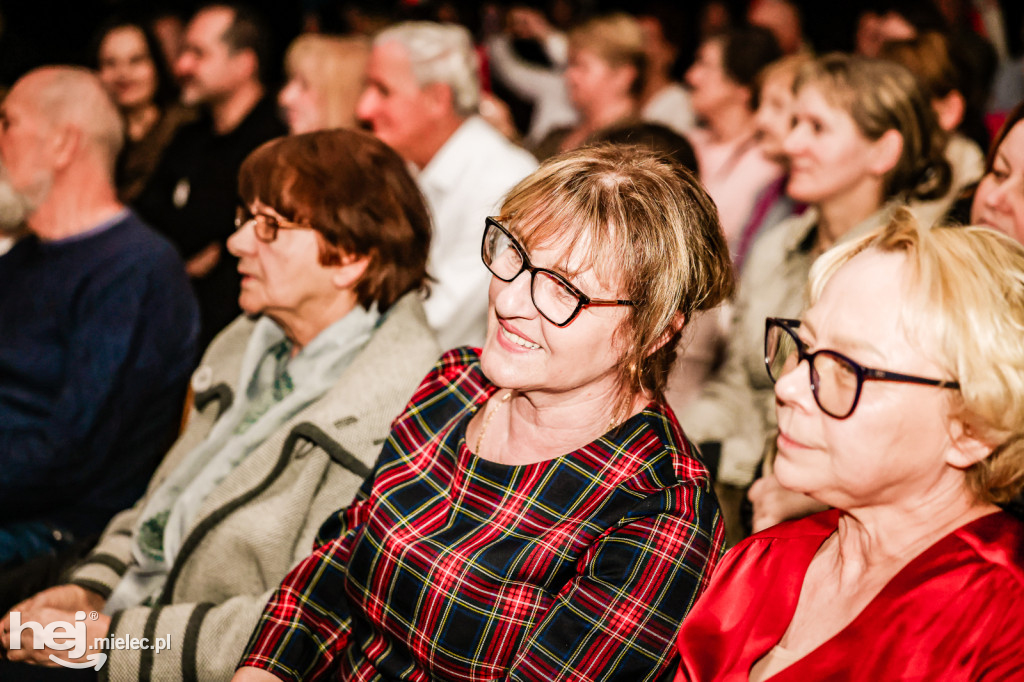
x=97, y=339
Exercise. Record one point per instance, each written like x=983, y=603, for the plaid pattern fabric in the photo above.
x=448, y=566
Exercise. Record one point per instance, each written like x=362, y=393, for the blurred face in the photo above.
x=661, y=54
x=207, y=71
x=126, y=68
x=779, y=17
x=393, y=104
x=526, y=352
x=303, y=106
x=712, y=88
x=829, y=156
x=27, y=159
x=893, y=449
x=588, y=78
x=999, y=200
x=282, y=279
x=774, y=118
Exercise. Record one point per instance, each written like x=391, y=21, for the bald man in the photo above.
x=99, y=328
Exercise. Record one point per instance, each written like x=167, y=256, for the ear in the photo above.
x=676, y=325
x=968, y=447
x=248, y=63
x=67, y=140
x=623, y=77
x=350, y=271
x=887, y=151
x=950, y=110
x=439, y=98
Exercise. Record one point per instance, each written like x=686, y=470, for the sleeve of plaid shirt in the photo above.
x=619, y=618
x=304, y=624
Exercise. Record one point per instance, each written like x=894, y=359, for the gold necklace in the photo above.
x=488, y=418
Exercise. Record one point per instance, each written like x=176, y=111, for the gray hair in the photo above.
x=440, y=53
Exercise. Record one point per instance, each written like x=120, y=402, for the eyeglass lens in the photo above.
x=833, y=379
x=505, y=260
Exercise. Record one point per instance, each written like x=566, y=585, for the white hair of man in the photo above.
x=440, y=53
x=71, y=95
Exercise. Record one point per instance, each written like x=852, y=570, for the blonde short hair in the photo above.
x=617, y=39
x=648, y=226
x=969, y=302
x=334, y=67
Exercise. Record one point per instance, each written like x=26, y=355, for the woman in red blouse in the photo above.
x=536, y=512
x=900, y=400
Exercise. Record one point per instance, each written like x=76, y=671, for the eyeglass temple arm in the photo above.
x=882, y=375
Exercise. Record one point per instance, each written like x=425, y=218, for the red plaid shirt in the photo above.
x=454, y=567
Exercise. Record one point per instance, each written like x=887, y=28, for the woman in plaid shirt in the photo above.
x=536, y=512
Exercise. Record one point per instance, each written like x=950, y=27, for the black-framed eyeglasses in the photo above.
x=264, y=226
x=836, y=380
x=555, y=297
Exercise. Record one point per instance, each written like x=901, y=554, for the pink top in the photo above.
x=734, y=173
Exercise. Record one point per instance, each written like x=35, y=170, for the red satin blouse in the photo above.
x=955, y=612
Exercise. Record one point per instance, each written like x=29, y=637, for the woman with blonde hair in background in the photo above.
x=325, y=78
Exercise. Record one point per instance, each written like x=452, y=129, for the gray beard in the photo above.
x=14, y=207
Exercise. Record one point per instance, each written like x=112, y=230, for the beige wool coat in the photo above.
x=262, y=519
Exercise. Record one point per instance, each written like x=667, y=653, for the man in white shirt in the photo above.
x=421, y=98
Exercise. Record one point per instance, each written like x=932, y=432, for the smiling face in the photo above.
x=829, y=156
x=526, y=352
x=283, y=279
x=895, y=447
x=207, y=69
x=999, y=201
x=126, y=68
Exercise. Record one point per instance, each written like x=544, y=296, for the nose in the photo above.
x=793, y=389
x=513, y=299
x=184, y=64
x=692, y=76
x=243, y=241
x=795, y=140
x=287, y=94
x=367, y=105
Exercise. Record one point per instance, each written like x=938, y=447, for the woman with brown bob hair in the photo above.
x=292, y=401
x=536, y=513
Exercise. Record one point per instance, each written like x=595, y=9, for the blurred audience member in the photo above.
x=724, y=83
x=325, y=76
x=663, y=100
x=99, y=329
x=421, y=98
x=605, y=78
x=928, y=57
x=888, y=20
x=999, y=199
x=167, y=25
x=191, y=195
x=783, y=19
x=900, y=400
x=131, y=67
x=774, y=121
x=542, y=85
x=291, y=408
x=865, y=141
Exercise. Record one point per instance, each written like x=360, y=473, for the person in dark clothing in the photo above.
x=99, y=326
x=192, y=196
